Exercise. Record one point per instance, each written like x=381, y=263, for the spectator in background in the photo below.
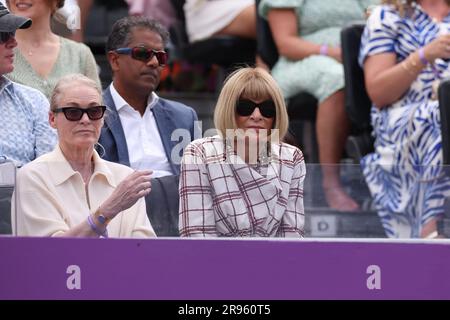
x=405, y=51
x=84, y=6
x=71, y=191
x=207, y=18
x=138, y=132
x=24, y=130
x=160, y=10
x=42, y=56
x=70, y=20
x=244, y=182
x=307, y=35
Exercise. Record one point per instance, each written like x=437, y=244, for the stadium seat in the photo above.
x=357, y=102
x=162, y=206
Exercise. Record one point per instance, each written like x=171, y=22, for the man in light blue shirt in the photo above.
x=25, y=133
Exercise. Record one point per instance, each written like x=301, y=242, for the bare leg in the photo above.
x=429, y=230
x=332, y=130
x=244, y=25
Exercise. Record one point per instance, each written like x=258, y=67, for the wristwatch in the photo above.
x=101, y=218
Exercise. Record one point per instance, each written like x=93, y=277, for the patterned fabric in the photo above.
x=221, y=195
x=320, y=22
x=73, y=57
x=404, y=173
x=25, y=133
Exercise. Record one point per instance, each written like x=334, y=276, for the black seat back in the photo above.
x=6, y=193
x=444, y=107
x=7, y=183
x=266, y=46
x=162, y=206
x=358, y=103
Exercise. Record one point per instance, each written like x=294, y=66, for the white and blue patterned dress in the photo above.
x=404, y=173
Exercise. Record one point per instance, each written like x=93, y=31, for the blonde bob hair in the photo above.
x=250, y=83
x=68, y=81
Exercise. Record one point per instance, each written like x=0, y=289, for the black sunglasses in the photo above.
x=75, y=113
x=145, y=54
x=5, y=36
x=246, y=107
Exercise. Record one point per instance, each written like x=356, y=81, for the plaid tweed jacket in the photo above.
x=221, y=195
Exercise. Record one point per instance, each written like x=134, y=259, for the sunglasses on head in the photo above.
x=246, y=107
x=5, y=36
x=75, y=113
x=144, y=54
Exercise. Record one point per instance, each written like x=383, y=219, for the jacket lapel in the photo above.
x=165, y=127
x=112, y=121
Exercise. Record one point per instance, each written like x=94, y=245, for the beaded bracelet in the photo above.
x=94, y=228
x=323, y=50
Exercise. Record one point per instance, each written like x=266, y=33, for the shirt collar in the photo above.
x=62, y=171
x=4, y=82
x=120, y=102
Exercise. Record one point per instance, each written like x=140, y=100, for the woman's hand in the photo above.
x=438, y=48
x=130, y=190
x=335, y=53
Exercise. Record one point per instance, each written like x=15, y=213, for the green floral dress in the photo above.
x=319, y=21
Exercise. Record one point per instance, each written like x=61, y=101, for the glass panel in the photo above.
x=7, y=182
x=397, y=202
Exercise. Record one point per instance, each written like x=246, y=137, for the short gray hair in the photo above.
x=68, y=81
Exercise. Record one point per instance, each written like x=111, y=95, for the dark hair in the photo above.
x=120, y=35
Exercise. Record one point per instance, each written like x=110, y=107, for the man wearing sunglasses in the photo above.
x=138, y=130
x=25, y=132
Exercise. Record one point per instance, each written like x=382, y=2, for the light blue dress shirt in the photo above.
x=25, y=133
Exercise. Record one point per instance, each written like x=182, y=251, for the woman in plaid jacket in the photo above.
x=244, y=182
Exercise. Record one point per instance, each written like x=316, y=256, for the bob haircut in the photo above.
x=250, y=83
x=69, y=81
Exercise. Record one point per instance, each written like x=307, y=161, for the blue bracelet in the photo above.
x=94, y=228
x=422, y=58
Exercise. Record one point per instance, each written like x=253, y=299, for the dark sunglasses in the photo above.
x=144, y=54
x=75, y=113
x=5, y=36
x=246, y=107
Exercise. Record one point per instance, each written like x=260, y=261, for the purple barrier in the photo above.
x=43, y=268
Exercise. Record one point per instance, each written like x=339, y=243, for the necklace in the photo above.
x=32, y=49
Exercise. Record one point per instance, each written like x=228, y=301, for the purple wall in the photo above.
x=36, y=268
